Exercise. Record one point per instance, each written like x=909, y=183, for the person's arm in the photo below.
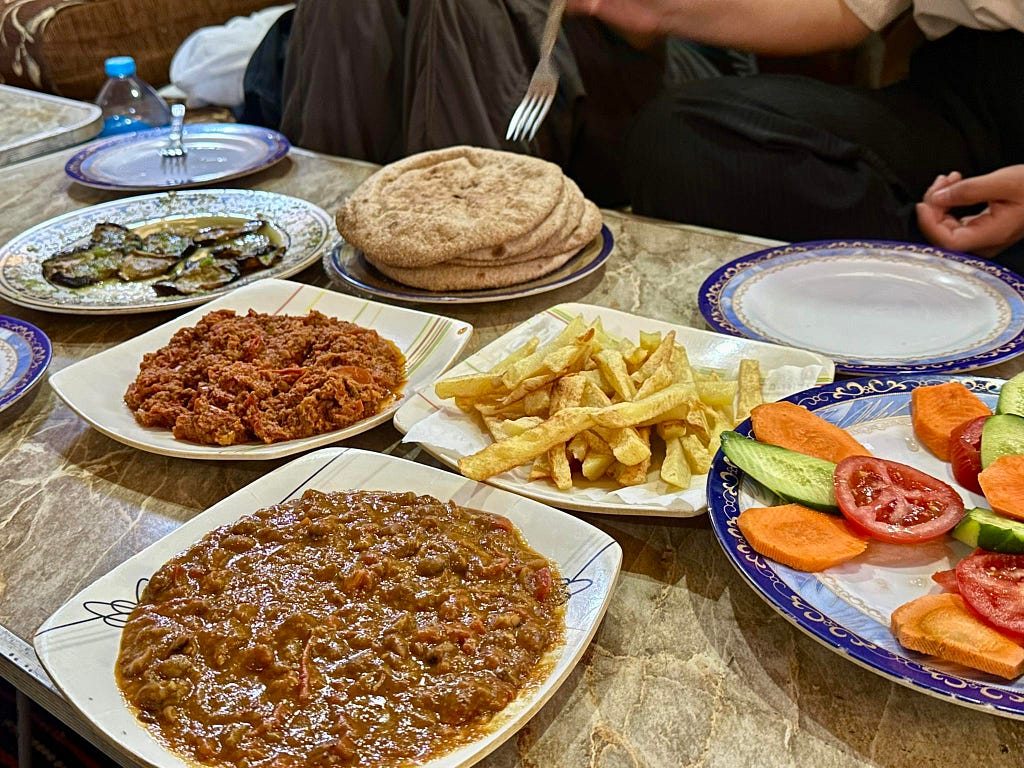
x=772, y=27
x=988, y=233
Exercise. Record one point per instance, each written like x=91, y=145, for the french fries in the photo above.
x=592, y=405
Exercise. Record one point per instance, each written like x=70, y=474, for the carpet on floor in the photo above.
x=53, y=744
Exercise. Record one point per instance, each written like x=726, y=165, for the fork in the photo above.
x=543, y=85
x=175, y=148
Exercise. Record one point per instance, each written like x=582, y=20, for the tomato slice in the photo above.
x=993, y=586
x=965, y=452
x=893, y=502
x=946, y=580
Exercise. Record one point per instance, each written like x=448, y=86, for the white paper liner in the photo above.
x=453, y=432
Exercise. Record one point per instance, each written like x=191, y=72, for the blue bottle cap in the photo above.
x=119, y=66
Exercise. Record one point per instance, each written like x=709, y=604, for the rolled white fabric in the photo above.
x=209, y=66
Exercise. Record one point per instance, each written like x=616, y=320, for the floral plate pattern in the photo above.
x=25, y=353
x=306, y=231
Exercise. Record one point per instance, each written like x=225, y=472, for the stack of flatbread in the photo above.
x=466, y=218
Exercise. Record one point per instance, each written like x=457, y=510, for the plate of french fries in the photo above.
x=598, y=410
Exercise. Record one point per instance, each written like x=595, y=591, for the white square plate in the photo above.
x=449, y=434
x=78, y=645
x=94, y=388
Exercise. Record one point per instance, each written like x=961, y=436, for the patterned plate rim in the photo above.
x=709, y=303
x=334, y=269
x=760, y=574
x=318, y=214
x=277, y=144
x=42, y=353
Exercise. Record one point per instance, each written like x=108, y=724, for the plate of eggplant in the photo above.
x=161, y=251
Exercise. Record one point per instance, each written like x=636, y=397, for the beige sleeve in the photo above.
x=938, y=17
x=877, y=14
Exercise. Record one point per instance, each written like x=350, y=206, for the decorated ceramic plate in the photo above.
x=79, y=644
x=874, y=307
x=303, y=229
x=449, y=434
x=848, y=607
x=94, y=388
x=347, y=264
x=24, y=355
x=216, y=152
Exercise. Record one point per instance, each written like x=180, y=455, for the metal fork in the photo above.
x=175, y=148
x=543, y=85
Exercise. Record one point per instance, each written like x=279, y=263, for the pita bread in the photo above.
x=449, y=277
x=579, y=235
x=589, y=226
x=548, y=238
x=434, y=206
x=544, y=240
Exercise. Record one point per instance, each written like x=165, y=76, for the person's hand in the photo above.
x=986, y=234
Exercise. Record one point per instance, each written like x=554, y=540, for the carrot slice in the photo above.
x=947, y=580
x=1002, y=482
x=800, y=537
x=943, y=626
x=936, y=410
x=792, y=426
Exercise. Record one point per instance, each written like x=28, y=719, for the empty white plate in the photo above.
x=873, y=307
x=216, y=152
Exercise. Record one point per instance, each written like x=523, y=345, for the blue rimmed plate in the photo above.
x=349, y=265
x=216, y=152
x=875, y=307
x=78, y=644
x=847, y=608
x=24, y=355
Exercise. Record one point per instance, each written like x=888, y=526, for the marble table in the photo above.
x=689, y=668
x=34, y=123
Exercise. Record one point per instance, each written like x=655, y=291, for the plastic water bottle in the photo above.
x=128, y=102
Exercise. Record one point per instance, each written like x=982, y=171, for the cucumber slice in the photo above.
x=1001, y=436
x=793, y=476
x=989, y=531
x=1011, y=396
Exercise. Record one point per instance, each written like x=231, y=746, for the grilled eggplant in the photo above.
x=205, y=274
x=115, y=236
x=169, y=243
x=85, y=266
x=190, y=262
x=210, y=235
x=139, y=265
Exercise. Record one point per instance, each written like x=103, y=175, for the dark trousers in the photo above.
x=384, y=79
x=796, y=159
